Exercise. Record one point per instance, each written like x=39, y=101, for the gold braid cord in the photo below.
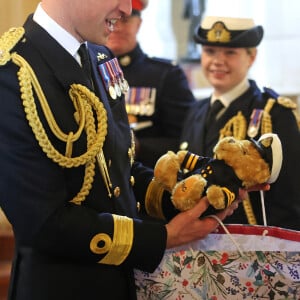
x=85, y=102
x=266, y=123
x=236, y=127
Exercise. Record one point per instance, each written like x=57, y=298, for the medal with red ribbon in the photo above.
x=124, y=84
x=254, y=122
x=113, y=77
x=140, y=101
x=107, y=80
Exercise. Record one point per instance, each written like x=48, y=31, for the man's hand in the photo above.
x=187, y=226
x=259, y=187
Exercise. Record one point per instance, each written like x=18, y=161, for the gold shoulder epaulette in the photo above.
x=289, y=103
x=286, y=102
x=7, y=41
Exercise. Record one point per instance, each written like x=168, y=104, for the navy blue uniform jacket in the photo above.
x=173, y=99
x=283, y=200
x=53, y=259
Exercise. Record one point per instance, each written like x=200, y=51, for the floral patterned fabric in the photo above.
x=195, y=272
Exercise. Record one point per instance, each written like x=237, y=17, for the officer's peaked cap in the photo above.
x=228, y=32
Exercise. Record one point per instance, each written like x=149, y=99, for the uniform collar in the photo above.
x=233, y=94
x=128, y=58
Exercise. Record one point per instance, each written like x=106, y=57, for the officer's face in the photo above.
x=88, y=20
x=226, y=67
x=124, y=37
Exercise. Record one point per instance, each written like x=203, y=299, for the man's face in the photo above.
x=226, y=67
x=124, y=37
x=88, y=20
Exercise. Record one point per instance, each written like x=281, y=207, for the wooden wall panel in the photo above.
x=14, y=12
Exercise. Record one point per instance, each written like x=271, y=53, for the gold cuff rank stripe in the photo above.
x=229, y=195
x=117, y=249
x=153, y=201
x=191, y=162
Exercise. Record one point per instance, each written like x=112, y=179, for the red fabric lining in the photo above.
x=277, y=232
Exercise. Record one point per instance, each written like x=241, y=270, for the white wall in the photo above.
x=156, y=34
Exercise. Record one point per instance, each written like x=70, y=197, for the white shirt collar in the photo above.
x=64, y=38
x=234, y=93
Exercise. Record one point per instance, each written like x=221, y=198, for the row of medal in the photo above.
x=113, y=78
x=140, y=101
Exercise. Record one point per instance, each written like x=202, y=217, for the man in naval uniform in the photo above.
x=228, y=52
x=69, y=184
x=159, y=94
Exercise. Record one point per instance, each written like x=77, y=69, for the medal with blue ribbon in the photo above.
x=113, y=77
x=107, y=80
x=124, y=84
x=254, y=124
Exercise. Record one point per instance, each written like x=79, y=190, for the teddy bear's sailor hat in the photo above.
x=270, y=148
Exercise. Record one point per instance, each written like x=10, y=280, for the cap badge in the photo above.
x=218, y=33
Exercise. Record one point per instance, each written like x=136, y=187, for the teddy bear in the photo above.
x=236, y=164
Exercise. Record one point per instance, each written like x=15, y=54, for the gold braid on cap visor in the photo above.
x=218, y=33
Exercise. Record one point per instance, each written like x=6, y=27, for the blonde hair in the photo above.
x=251, y=51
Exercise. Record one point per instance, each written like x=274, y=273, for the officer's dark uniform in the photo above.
x=283, y=200
x=173, y=97
x=71, y=238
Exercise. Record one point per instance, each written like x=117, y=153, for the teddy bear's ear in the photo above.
x=269, y=146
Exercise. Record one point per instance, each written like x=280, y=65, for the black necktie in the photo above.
x=211, y=128
x=212, y=113
x=86, y=63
